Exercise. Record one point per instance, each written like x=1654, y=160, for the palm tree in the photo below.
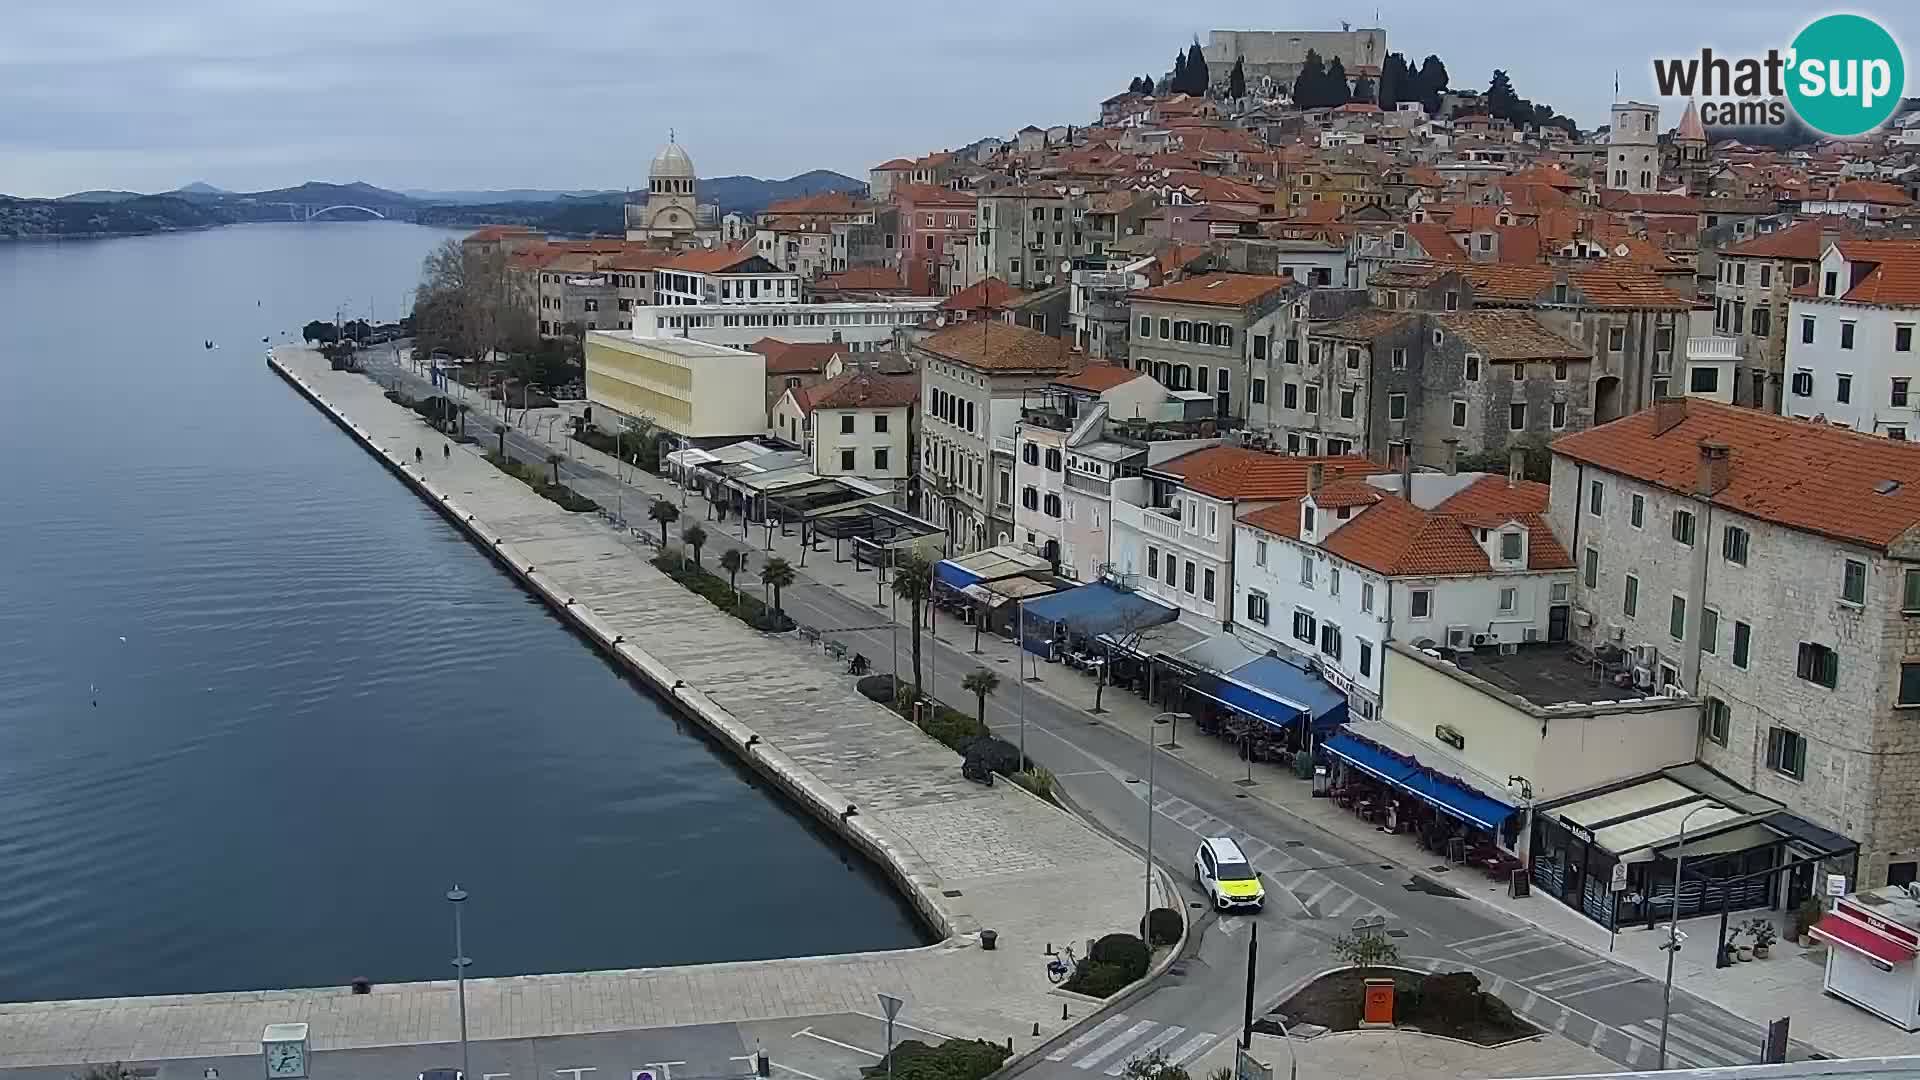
x=733, y=560
x=694, y=537
x=663, y=511
x=776, y=575
x=913, y=582
x=555, y=460
x=981, y=683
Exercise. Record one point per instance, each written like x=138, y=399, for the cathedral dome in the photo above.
x=672, y=163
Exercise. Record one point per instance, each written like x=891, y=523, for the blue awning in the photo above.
x=1408, y=776
x=950, y=573
x=1302, y=691
x=1089, y=611
x=1244, y=700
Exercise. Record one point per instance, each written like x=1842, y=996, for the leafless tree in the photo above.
x=1134, y=635
x=468, y=303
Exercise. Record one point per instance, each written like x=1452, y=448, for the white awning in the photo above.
x=1649, y=830
x=1634, y=799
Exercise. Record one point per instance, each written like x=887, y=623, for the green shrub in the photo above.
x=1163, y=926
x=1038, y=780
x=1098, y=980
x=955, y=729
x=996, y=755
x=955, y=1059
x=1124, y=951
x=748, y=609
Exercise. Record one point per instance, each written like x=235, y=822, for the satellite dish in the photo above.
x=941, y=321
x=1066, y=266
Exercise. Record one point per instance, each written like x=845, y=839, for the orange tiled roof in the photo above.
x=1869, y=191
x=896, y=164
x=1396, y=538
x=710, y=261
x=1510, y=335
x=868, y=390
x=1234, y=472
x=989, y=293
x=1343, y=491
x=1809, y=476
x=1620, y=287
x=1099, y=378
x=1801, y=240
x=493, y=233
x=1893, y=281
x=997, y=346
x=826, y=202
x=1281, y=519
x=1362, y=324
x=795, y=357
x=1225, y=290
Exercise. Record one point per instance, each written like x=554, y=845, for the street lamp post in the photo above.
x=1673, y=927
x=458, y=898
x=1147, y=912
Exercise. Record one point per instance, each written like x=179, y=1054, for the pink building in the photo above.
x=928, y=217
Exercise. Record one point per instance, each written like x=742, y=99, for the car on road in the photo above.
x=1222, y=872
x=443, y=1074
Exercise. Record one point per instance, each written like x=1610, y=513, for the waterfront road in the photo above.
x=1318, y=883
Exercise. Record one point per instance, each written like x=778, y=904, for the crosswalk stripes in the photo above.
x=1088, y=1037
x=1570, y=976
x=1699, y=1042
x=1112, y=1046
x=1297, y=871
x=1107, y=1049
x=1505, y=945
x=1160, y=1039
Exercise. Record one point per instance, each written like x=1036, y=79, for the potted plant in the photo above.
x=1804, y=917
x=1741, y=945
x=1762, y=933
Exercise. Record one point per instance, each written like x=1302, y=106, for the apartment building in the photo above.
x=1465, y=561
x=930, y=217
x=1180, y=542
x=974, y=377
x=723, y=276
x=1850, y=356
x=1765, y=567
x=1753, y=282
x=1025, y=235
x=1197, y=333
x=859, y=424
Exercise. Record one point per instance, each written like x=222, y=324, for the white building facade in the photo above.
x=1851, y=356
x=862, y=327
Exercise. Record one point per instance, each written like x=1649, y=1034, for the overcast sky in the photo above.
x=507, y=93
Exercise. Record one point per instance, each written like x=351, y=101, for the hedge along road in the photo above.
x=1318, y=883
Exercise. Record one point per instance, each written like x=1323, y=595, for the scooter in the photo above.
x=979, y=774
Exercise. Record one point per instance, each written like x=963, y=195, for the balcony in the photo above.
x=1155, y=521
x=1090, y=485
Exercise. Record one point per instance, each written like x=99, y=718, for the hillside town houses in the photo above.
x=1552, y=480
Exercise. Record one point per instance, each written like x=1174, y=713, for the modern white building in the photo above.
x=1851, y=356
x=723, y=276
x=1767, y=568
x=1467, y=563
x=697, y=391
x=861, y=327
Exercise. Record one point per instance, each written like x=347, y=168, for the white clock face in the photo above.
x=286, y=1060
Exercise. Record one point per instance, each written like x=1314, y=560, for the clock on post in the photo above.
x=284, y=1049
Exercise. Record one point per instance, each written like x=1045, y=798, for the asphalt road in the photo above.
x=1318, y=883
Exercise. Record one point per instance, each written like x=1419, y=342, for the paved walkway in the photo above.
x=1408, y=1055
x=978, y=857
x=1789, y=984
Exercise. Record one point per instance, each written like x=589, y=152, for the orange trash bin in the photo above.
x=1378, y=1008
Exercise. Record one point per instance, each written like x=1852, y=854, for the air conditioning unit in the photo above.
x=1642, y=677
x=1582, y=618
x=1508, y=648
x=1457, y=636
x=1485, y=639
x=1532, y=634
x=1645, y=655
x=1616, y=632
x=1672, y=690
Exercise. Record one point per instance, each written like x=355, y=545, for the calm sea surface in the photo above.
x=259, y=707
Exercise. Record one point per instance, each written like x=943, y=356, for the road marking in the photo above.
x=1313, y=902
x=904, y=1024
x=1166, y=1036
x=1745, y=1048
x=1086, y=1038
x=1459, y=945
x=1623, y=980
x=1648, y=1031
x=1494, y=958
x=1568, y=976
x=811, y=1034
x=1192, y=1048
x=794, y=1071
x=1112, y=1046
x=1334, y=912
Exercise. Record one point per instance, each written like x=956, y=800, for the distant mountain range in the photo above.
x=200, y=205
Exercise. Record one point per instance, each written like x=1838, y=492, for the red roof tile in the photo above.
x=1343, y=491
x=992, y=345
x=1804, y=475
x=868, y=390
x=988, y=293
x=1099, y=378
x=1869, y=191
x=796, y=357
x=1282, y=519
x=1234, y=472
x=1893, y=281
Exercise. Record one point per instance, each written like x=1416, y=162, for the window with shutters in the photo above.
x=1817, y=664
x=1787, y=752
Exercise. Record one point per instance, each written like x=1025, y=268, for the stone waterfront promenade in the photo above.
x=970, y=858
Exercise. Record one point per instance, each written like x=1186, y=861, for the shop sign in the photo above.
x=1450, y=736
x=1585, y=836
x=1337, y=678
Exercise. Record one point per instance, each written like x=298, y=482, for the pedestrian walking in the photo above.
x=446, y=451
x=417, y=459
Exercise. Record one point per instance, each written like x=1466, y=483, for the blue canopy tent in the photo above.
x=1280, y=693
x=954, y=576
x=1407, y=774
x=1087, y=611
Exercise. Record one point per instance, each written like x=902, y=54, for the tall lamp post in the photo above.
x=1147, y=912
x=458, y=898
x=1673, y=927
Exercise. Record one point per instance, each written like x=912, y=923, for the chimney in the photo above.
x=1516, y=465
x=1667, y=414
x=1406, y=470
x=1451, y=456
x=1315, y=473
x=1715, y=471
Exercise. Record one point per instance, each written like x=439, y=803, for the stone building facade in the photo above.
x=1794, y=622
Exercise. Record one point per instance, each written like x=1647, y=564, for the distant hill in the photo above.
x=199, y=187
x=508, y=195
x=358, y=193
x=99, y=196
x=38, y=218
x=750, y=194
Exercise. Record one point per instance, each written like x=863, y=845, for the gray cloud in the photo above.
x=490, y=93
